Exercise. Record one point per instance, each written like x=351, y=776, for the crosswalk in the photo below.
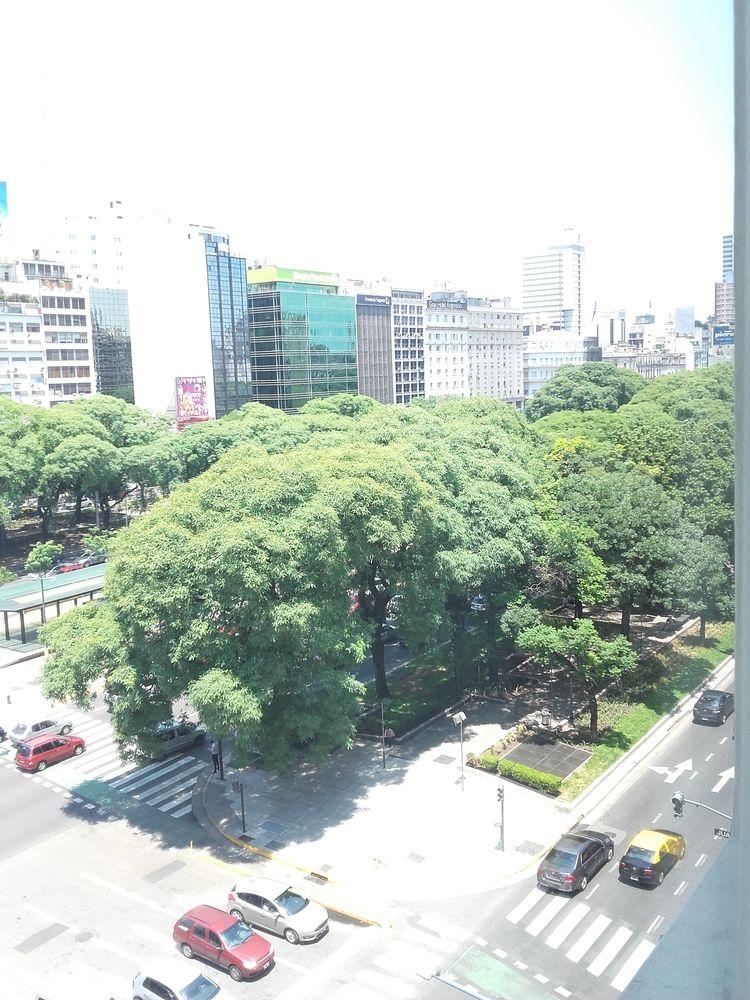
x=594, y=940
x=167, y=785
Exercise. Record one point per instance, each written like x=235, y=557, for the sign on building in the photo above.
x=191, y=398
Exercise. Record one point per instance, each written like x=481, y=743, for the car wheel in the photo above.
x=291, y=936
x=236, y=973
x=198, y=740
x=723, y=719
x=78, y=751
x=186, y=950
x=65, y=730
x=661, y=878
x=237, y=915
x=41, y=765
x=584, y=882
x=610, y=853
x=682, y=852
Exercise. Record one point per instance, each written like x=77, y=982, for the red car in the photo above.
x=212, y=934
x=35, y=754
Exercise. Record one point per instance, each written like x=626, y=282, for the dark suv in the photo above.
x=713, y=706
x=574, y=859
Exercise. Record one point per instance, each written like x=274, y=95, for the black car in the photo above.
x=574, y=859
x=713, y=706
x=3, y=734
x=389, y=633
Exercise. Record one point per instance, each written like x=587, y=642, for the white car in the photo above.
x=277, y=907
x=23, y=731
x=173, y=981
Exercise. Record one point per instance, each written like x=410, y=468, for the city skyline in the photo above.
x=639, y=163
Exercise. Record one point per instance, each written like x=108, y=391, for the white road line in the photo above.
x=519, y=912
x=656, y=922
x=179, y=813
x=722, y=742
x=656, y=818
x=590, y=894
x=587, y=939
x=140, y=778
x=521, y=965
x=709, y=757
x=139, y=770
x=614, y=867
x=444, y=929
x=563, y=992
x=693, y=775
x=188, y=797
x=679, y=888
x=91, y=726
x=541, y=979
x=700, y=861
x=481, y=942
x=551, y=910
x=500, y=953
x=633, y=964
x=566, y=925
x=175, y=785
x=610, y=950
x=170, y=782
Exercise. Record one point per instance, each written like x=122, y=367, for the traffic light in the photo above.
x=500, y=793
x=678, y=801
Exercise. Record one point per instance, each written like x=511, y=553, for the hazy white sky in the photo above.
x=424, y=141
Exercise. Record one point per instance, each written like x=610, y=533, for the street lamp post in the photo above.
x=458, y=720
x=501, y=824
x=221, y=762
x=44, y=615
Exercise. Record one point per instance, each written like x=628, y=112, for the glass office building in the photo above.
x=110, y=335
x=304, y=336
x=231, y=342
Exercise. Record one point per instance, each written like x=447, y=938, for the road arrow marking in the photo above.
x=724, y=777
x=671, y=774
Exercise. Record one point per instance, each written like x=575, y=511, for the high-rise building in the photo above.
x=553, y=288
x=110, y=332
x=684, y=319
x=375, y=354
x=45, y=337
x=231, y=343
x=724, y=302
x=408, y=310
x=609, y=327
x=304, y=336
x=473, y=347
x=727, y=257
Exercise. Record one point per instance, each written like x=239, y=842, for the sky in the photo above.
x=427, y=142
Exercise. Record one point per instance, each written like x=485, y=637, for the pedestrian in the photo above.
x=215, y=755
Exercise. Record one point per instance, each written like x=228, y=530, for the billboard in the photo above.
x=374, y=300
x=192, y=404
x=264, y=275
x=723, y=334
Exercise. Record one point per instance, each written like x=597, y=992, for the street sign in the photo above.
x=719, y=831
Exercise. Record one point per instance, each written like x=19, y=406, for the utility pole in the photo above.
x=501, y=824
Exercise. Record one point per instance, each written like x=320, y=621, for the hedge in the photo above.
x=539, y=780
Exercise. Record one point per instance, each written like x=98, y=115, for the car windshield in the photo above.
x=236, y=934
x=710, y=699
x=20, y=728
x=24, y=751
x=291, y=902
x=561, y=859
x=640, y=854
x=200, y=989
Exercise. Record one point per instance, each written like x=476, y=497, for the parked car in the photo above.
x=575, y=859
x=651, y=854
x=24, y=731
x=713, y=706
x=479, y=603
x=177, y=736
x=275, y=906
x=66, y=567
x=222, y=939
x=172, y=981
x=39, y=752
x=389, y=633
x=3, y=735
x=94, y=558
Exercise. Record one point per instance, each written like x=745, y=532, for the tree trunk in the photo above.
x=493, y=673
x=703, y=627
x=625, y=623
x=3, y=539
x=79, y=499
x=594, y=710
x=577, y=608
x=106, y=512
x=378, y=663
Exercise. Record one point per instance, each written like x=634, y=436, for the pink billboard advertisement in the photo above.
x=192, y=405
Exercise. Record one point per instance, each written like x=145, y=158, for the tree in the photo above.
x=571, y=566
x=40, y=560
x=700, y=577
x=594, y=386
x=582, y=651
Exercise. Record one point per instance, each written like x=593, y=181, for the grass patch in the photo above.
x=540, y=781
x=679, y=667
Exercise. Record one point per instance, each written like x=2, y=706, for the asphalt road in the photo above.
x=31, y=815
x=395, y=657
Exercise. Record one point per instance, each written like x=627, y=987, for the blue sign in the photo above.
x=723, y=334
x=374, y=300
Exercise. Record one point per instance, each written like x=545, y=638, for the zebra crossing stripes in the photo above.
x=632, y=965
x=592, y=933
x=567, y=925
x=550, y=911
x=611, y=949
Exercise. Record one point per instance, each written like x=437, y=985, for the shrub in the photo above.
x=539, y=780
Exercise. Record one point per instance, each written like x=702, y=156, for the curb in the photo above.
x=22, y=659
x=202, y=815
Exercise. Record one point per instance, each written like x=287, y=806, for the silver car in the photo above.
x=178, y=736
x=173, y=981
x=275, y=906
x=23, y=731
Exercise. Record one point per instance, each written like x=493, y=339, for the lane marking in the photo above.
x=130, y=785
x=135, y=772
x=722, y=742
x=587, y=939
x=633, y=964
x=679, y=888
x=519, y=912
x=590, y=894
x=724, y=777
x=610, y=950
x=551, y=910
x=500, y=953
x=700, y=861
x=693, y=775
x=656, y=818
x=563, y=992
x=541, y=979
x=654, y=924
x=709, y=757
x=614, y=867
x=521, y=965
x=481, y=942
x=566, y=925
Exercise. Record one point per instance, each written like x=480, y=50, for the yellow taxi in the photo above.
x=650, y=855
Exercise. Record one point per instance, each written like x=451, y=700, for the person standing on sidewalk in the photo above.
x=215, y=755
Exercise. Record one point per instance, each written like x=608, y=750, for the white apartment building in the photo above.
x=94, y=248
x=649, y=363
x=727, y=257
x=609, y=326
x=553, y=288
x=724, y=302
x=544, y=355
x=45, y=334
x=473, y=347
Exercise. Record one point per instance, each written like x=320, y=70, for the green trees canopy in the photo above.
x=595, y=386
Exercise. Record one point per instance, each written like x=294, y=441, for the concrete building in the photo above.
x=684, y=319
x=724, y=302
x=303, y=336
x=45, y=334
x=609, y=327
x=727, y=257
x=649, y=363
x=473, y=347
x=110, y=333
x=553, y=288
x=544, y=355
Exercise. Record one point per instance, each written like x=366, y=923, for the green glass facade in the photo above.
x=304, y=340
x=231, y=347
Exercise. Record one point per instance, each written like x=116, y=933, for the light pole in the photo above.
x=382, y=727
x=458, y=720
x=501, y=800
x=44, y=615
